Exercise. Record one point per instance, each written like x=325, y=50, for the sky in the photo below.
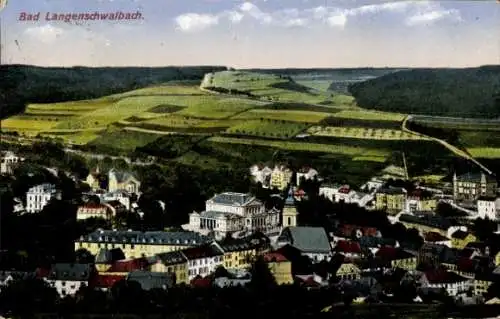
x=255, y=34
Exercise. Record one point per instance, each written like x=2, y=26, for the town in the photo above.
x=389, y=241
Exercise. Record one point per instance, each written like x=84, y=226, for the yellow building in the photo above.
x=280, y=267
x=123, y=181
x=173, y=262
x=482, y=283
x=238, y=254
x=390, y=199
x=460, y=239
x=397, y=258
x=348, y=271
x=497, y=259
x=289, y=214
x=135, y=244
x=93, y=180
x=280, y=177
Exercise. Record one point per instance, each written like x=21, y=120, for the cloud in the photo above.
x=409, y=13
x=45, y=33
x=192, y=22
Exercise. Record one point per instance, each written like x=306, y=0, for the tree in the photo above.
x=83, y=256
x=262, y=278
x=24, y=297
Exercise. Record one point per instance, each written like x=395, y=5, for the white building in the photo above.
x=306, y=173
x=488, y=208
x=229, y=213
x=39, y=196
x=261, y=174
x=453, y=283
x=344, y=194
x=203, y=260
x=120, y=195
x=94, y=211
x=9, y=160
x=67, y=279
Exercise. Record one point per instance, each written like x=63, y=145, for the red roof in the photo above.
x=345, y=246
x=441, y=276
x=107, y=281
x=201, y=282
x=93, y=206
x=128, y=265
x=347, y=230
x=434, y=237
x=274, y=257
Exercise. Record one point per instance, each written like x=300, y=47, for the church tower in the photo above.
x=289, y=213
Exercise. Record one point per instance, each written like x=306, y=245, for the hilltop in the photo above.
x=470, y=92
x=24, y=84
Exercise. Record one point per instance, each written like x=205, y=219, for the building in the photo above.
x=238, y=253
x=438, y=279
x=289, y=214
x=67, y=279
x=281, y=177
x=122, y=196
x=280, y=267
x=392, y=257
x=123, y=181
x=136, y=244
x=39, y=196
x=173, y=262
x=9, y=161
x=460, y=239
x=310, y=241
x=420, y=201
x=94, y=211
x=488, y=207
x=391, y=199
x=229, y=213
x=426, y=223
x=348, y=271
x=470, y=186
x=261, y=174
x=152, y=280
x=203, y=260
x=306, y=174
x=437, y=238
x=344, y=194
x=96, y=180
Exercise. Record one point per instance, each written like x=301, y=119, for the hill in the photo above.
x=24, y=84
x=470, y=92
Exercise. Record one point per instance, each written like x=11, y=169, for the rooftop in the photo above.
x=230, y=198
x=208, y=250
x=171, y=258
x=306, y=239
x=152, y=238
x=70, y=272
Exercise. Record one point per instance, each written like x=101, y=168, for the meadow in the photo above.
x=362, y=133
x=268, y=128
x=287, y=115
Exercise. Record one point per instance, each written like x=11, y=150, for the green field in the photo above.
x=268, y=128
x=285, y=115
x=362, y=133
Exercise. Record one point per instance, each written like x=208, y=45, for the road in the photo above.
x=450, y=147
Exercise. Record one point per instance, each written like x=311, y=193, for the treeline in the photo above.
x=23, y=84
x=471, y=92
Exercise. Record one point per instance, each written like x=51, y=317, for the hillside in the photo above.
x=470, y=92
x=23, y=84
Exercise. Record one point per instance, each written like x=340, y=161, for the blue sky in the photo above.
x=260, y=33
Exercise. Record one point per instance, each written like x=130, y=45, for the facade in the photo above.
x=420, y=201
x=9, y=161
x=230, y=213
x=152, y=280
x=344, y=194
x=136, y=244
x=488, y=207
x=122, y=196
x=310, y=241
x=348, y=271
x=39, y=196
x=453, y=283
x=469, y=187
x=460, y=239
x=94, y=211
x=392, y=257
x=305, y=174
x=289, y=214
x=261, y=174
x=281, y=177
x=123, y=181
x=238, y=253
x=280, y=267
x=392, y=199
x=203, y=260
x=67, y=279
x=173, y=262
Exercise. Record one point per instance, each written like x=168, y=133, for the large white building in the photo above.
x=9, y=160
x=344, y=194
x=230, y=213
x=488, y=207
x=39, y=196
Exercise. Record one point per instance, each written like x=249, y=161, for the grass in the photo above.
x=370, y=115
x=173, y=121
x=289, y=115
x=268, y=128
x=215, y=107
x=376, y=155
x=123, y=139
x=362, y=133
x=484, y=152
x=25, y=123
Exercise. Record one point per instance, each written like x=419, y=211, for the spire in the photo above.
x=290, y=200
x=97, y=171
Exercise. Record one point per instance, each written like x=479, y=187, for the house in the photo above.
x=344, y=194
x=123, y=181
x=107, y=257
x=173, y=262
x=238, y=253
x=426, y=223
x=349, y=249
x=67, y=279
x=453, y=283
x=39, y=196
x=348, y=271
x=94, y=211
x=281, y=177
x=203, y=260
x=116, y=208
x=305, y=174
x=328, y=191
x=96, y=180
x=152, y=280
x=391, y=199
x=125, y=266
x=392, y=257
x=229, y=213
x=311, y=241
x=437, y=238
x=488, y=207
x=470, y=186
x=356, y=232
x=136, y=243
x=121, y=196
x=280, y=267
x=460, y=239
x=289, y=214
x=9, y=161
x=436, y=255
x=261, y=174
x=233, y=279
x=420, y=200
